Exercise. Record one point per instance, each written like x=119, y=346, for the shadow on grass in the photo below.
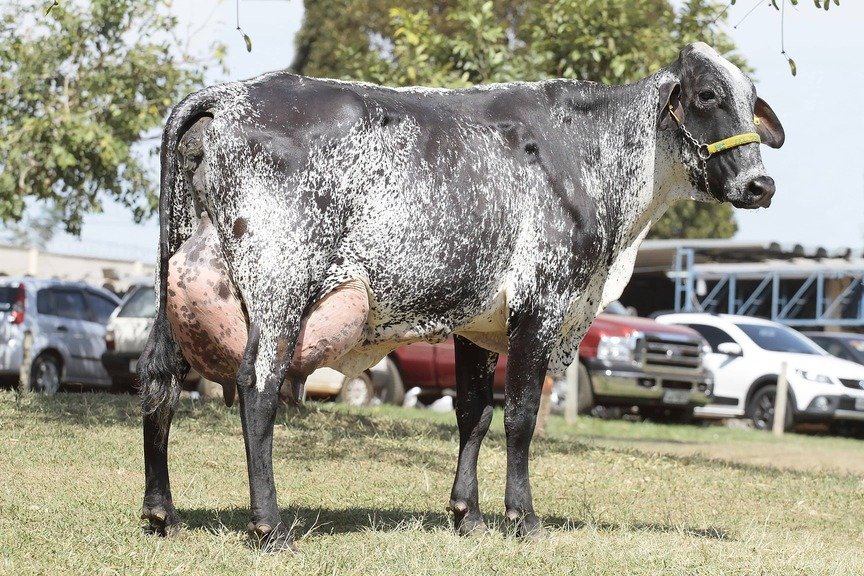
x=84, y=409
x=322, y=432
x=353, y=520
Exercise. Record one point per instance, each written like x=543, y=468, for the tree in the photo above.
x=81, y=87
x=465, y=42
x=35, y=229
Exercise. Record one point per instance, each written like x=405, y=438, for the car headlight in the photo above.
x=618, y=349
x=813, y=376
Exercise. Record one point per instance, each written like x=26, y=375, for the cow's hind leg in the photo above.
x=475, y=368
x=259, y=402
x=161, y=371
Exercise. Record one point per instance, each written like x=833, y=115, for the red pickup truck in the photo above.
x=623, y=361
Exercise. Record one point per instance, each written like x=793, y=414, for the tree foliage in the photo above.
x=459, y=43
x=82, y=85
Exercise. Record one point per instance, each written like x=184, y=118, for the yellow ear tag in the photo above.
x=756, y=120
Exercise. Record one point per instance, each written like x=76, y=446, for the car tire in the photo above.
x=45, y=375
x=122, y=387
x=760, y=409
x=358, y=391
x=209, y=389
x=585, y=394
x=664, y=414
x=388, y=384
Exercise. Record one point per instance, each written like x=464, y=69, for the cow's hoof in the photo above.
x=272, y=540
x=471, y=527
x=161, y=520
x=525, y=526
x=467, y=522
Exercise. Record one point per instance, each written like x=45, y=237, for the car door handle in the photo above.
x=62, y=329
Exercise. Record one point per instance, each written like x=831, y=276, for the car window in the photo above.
x=833, y=347
x=8, y=296
x=715, y=336
x=141, y=304
x=856, y=347
x=777, y=338
x=65, y=303
x=100, y=307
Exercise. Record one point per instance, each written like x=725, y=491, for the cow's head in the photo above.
x=708, y=100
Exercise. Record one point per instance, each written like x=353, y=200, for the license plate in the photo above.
x=133, y=365
x=859, y=403
x=678, y=397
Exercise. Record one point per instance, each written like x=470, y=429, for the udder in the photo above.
x=209, y=321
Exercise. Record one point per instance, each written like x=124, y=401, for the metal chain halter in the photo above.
x=705, y=151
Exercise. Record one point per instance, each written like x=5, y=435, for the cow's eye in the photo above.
x=707, y=95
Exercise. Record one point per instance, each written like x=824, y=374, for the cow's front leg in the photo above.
x=528, y=359
x=258, y=406
x=475, y=368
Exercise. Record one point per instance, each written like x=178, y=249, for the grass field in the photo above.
x=367, y=491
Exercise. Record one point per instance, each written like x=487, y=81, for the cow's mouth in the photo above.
x=757, y=194
x=762, y=203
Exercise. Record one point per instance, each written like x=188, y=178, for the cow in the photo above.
x=309, y=222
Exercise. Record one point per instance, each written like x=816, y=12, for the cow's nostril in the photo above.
x=761, y=189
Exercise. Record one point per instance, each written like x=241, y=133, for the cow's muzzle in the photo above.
x=758, y=193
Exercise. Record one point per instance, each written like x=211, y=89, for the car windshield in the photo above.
x=142, y=304
x=776, y=338
x=8, y=295
x=857, y=346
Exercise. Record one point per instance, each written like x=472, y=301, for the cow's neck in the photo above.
x=640, y=172
x=639, y=176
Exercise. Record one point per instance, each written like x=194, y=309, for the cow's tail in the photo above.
x=162, y=368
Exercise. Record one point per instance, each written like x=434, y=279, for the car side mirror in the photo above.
x=730, y=349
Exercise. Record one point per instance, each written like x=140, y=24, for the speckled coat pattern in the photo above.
x=452, y=208
x=309, y=222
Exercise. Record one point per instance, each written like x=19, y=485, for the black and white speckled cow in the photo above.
x=310, y=222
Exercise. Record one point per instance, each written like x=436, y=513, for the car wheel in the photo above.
x=357, y=391
x=209, y=389
x=585, y=394
x=388, y=384
x=118, y=387
x=677, y=415
x=761, y=409
x=45, y=375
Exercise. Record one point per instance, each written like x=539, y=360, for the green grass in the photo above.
x=367, y=491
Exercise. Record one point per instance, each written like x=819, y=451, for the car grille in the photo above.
x=852, y=383
x=664, y=353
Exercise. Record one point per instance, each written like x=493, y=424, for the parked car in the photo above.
x=125, y=336
x=746, y=358
x=845, y=345
x=623, y=361
x=65, y=325
x=129, y=327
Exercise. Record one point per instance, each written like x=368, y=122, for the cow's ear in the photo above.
x=669, y=99
x=768, y=126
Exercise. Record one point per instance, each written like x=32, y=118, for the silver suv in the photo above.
x=52, y=332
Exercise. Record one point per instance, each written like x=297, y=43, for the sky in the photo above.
x=819, y=171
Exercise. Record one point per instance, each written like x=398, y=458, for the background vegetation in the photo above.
x=85, y=89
